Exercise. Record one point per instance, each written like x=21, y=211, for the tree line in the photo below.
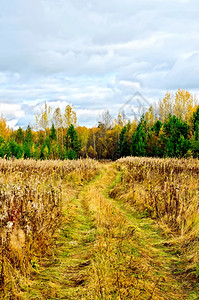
x=167, y=129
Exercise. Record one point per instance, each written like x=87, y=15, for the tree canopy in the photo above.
x=169, y=129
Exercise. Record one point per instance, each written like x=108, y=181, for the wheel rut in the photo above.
x=105, y=251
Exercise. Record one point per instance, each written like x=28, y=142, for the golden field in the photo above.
x=99, y=230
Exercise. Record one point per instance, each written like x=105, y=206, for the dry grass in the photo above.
x=167, y=190
x=31, y=211
x=124, y=266
x=103, y=249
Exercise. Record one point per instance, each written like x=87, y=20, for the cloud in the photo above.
x=130, y=84
x=12, y=110
x=185, y=72
x=94, y=54
x=89, y=117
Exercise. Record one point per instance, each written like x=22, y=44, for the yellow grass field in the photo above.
x=99, y=230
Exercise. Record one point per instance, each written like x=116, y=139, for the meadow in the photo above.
x=166, y=190
x=31, y=211
x=85, y=229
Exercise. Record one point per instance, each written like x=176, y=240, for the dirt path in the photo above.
x=104, y=251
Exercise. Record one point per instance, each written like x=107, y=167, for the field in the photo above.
x=99, y=230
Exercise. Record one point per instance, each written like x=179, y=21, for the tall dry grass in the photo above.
x=31, y=212
x=167, y=190
x=122, y=266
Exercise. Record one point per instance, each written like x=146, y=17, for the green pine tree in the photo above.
x=53, y=135
x=123, y=143
x=28, y=135
x=139, y=139
x=72, y=142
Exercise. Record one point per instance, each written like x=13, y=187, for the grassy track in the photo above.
x=63, y=274
x=105, y=251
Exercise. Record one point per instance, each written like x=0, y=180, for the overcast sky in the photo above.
x=94, y=54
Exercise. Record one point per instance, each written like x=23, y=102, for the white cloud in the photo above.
x=13, y=124
x=130, y=84
x=185, y=72
x=94, y=54
x=12, y=110
x=89, y=117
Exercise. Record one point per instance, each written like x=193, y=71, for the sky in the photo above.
x=94, y=54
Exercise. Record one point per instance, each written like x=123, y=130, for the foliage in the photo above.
x=53, y=132
x=169, y=129
x=123, y=142
x=72, y=142
x=139, y=142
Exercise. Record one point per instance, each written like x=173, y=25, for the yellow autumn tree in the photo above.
x=165, y=107
x=121, y=119
x=57, y=118
x=183, y=105
x=44, y=117
x=83, y=134
x=4, y=129
x=150, y=116
x=69, y=116
x=58, y=123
